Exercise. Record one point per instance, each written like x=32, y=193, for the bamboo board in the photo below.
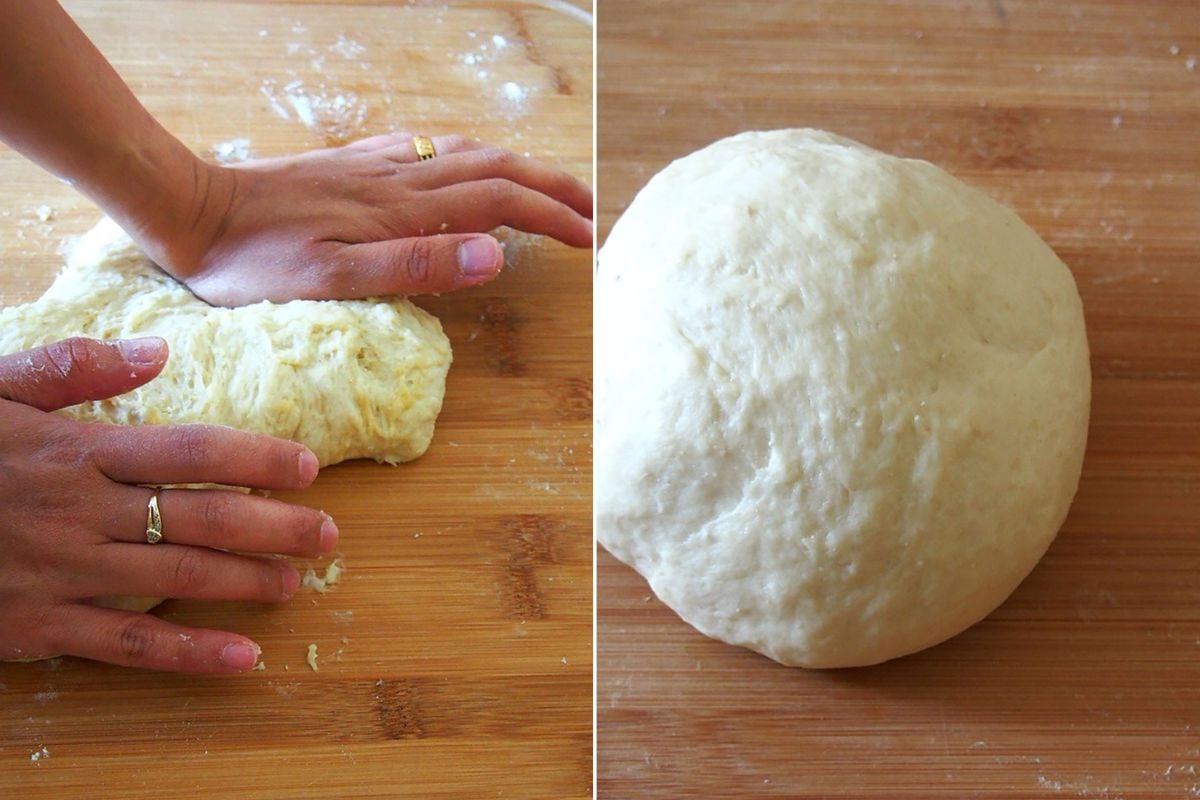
x=1085, y=118
x=456, y=654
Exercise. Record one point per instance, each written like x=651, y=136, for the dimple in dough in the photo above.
x=348, y=379
x=841, y=397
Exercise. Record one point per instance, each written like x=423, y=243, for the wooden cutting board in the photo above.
x=1085, y=118
x=456, y=654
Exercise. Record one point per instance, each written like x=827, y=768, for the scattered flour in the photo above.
x=348, y=48
x=39, y=754
x=321, y=108
x=487, y=61
x=232, y=150
x=514, y=92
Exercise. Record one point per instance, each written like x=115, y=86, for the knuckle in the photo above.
x=416, y=261
x=566, y=185
x=339, y=273
x=498, y=159
x=304, y=534
x=135, y=639
x=59, y=444
x=457, y=142
x=31, y=633
x=187, y=572
x=193, y=443
x=217, y=513
x=67, y=356
x=282, y=458
x=501, y=192
x=270, y=583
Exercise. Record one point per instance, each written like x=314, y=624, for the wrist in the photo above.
x=170, y=201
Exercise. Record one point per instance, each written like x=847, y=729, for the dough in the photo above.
x=349, y=379
x=841, y=397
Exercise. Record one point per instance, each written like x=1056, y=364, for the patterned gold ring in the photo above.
x=424, y=147
x=154, y=532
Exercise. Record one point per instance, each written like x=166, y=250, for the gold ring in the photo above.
x=424, y=147
x=153, y=520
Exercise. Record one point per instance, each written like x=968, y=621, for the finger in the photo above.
x=383, y=140
x=226, y=520
x=403, y=151
x=418, y=265
x=74, y=370
x=162, y=454
x=129, y=639
x=496, y=162
x=194, y=573
x=487, y=204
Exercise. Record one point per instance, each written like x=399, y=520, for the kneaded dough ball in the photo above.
x=349, y=379
x=842, y=398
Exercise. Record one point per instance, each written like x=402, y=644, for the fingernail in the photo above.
x=479, y=256
x=308, y=466
x=291, y=581
x=144, y=350
x=240, y=656
x=329, y=535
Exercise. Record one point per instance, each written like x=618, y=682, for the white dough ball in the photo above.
x=841, y=397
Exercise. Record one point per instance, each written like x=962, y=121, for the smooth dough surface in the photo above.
x=349, y=379
x=842, y=397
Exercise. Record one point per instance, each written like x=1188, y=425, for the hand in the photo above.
x=365, y=219
x=73, y=516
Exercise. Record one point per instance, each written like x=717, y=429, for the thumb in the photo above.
x=73, y=370
x=420, y=265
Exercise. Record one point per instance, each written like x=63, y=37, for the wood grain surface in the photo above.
x=456, y=653
x=1085, y=118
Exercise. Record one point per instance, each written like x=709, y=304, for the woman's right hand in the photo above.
x=73, y=508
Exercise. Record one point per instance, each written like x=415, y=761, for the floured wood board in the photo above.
x=1082, y=116
x=455, y=652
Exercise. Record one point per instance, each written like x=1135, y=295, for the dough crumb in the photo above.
x=259, y=667
x=39, y=754
x=311, y=658
x=333, y=573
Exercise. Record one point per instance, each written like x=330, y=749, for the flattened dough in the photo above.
x=841, y=397
x=349, y=379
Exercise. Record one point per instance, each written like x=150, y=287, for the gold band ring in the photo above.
x=154, y=532
x=424, y=147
